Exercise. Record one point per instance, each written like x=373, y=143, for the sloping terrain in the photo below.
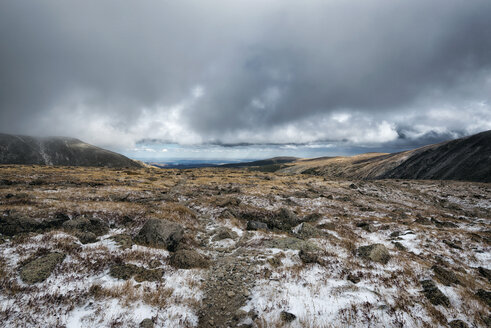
x=57, y=151
x=467, y=159
x=98, y=247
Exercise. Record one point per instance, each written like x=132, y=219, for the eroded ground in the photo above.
x=268, y=250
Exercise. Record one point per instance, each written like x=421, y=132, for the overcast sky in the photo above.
x=165, y=75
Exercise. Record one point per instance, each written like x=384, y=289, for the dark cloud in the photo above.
x=235, y=72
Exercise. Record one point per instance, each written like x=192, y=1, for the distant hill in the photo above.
x=15, y=149
x=263, y=162
x=467, y=159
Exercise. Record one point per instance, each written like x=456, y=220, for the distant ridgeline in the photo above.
x=16, y=149
x=467, y=159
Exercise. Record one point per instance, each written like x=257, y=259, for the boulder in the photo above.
x=146, y=323
x=40, y=268
x=224, y=233
x=256, y=225
x=305, y=231
x=11, y=225
x=433, y=294
x=86, y=237
x=84, y=224
x=161, y=234
x=287, y=316
x=308, y=256
x=374, y=252
x=188, y=259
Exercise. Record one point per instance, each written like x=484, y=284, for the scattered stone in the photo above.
x=188, y=259
x=457, y=324
x=353, y=186
x=291, y=243
x=230, y=294
x=308, y=256
x=486, y=273
x=433, y=294
x=365, y=226
x=354, y=278
x=86, y=237
x=41, y=268
x=123, y=240
x=395, y=234
x=11, y=226
x=124, y=271
x=399, y=246
x=375, y=252
x=224, y=233
x=146, y=323
x=305, y=231
x=287, y=316
x=84, y=224
x=256, y=225
x=160, y=233
x=327, y=226
x=485, y=296
x=445, y=276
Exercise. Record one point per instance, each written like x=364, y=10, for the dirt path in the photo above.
x=227, y=289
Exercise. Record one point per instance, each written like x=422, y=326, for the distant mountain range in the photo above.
x=15, y=149
x=467, y=159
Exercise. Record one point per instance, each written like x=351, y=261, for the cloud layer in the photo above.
x=276, y=71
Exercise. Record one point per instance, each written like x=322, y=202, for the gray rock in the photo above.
x=256, y=225
x=160, y=233
x=84, y=224
x=41, y=268
x=146, y=323
x=375, y=252
x=305, y=231
x=188, y=259
x=287, y=316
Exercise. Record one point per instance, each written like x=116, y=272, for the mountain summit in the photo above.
x=15, y=149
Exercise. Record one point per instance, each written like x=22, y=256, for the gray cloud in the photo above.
x=376, y=71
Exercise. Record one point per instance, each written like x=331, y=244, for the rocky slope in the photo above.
x=16, y=149
x=99, y=247
x=467, y=159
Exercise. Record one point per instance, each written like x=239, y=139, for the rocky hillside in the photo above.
x=99, y=247
x=467, y=159
x=57, y=151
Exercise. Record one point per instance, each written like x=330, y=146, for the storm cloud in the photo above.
x=278, y=71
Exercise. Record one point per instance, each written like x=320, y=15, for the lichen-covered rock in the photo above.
x=146, y=323
x=308, y=256
x=84, y=224
x=40, y=268
x=160, y=233
x=86, y=237
x=188, y=259
x=256, y=225
x=433, y=294
x=305, y=231
x=123, y=240
x=224, y=233
x=375, y=252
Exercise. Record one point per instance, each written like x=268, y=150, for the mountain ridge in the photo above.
x=20, y=149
